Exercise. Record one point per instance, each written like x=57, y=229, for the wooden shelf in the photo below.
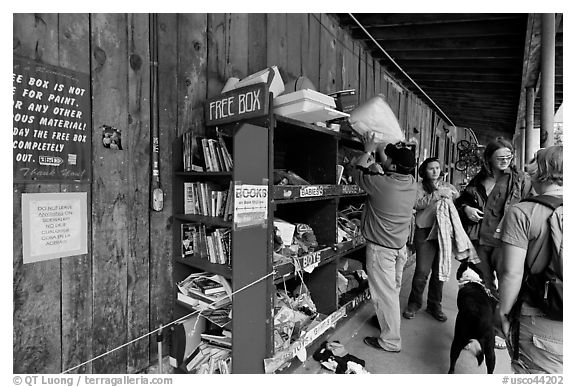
x=289, y=123
x=207, y=220
x=260, y=146
x=304, y=193
x=324, y=256
x=286, y=122
x=203, y=175
x=205, y=265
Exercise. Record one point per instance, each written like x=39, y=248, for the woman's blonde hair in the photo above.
x=547, y=167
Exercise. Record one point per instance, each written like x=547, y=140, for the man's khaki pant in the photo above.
x=384, y=268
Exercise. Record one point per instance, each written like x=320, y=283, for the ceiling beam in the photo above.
x=457, y=77
x=472, y=53
x=455, y=106
x=469, y=71
x=472, y=29
x=411, y=19
x=477, y=63
x=454, y=42
x=496, y=88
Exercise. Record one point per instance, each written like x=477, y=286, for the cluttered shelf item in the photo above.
x=299, y=132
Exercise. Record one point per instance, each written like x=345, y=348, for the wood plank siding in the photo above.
x=69, y=310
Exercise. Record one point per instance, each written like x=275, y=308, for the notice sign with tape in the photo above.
x=250, y=205
x=54, y=225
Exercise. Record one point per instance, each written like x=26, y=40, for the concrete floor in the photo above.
x=425, y=341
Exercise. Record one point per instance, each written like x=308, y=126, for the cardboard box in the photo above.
x=346, y=100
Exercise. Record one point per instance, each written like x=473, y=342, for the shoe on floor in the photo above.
x=499, y=343
x=409, y=312
x=437, y=314
x=373, y=342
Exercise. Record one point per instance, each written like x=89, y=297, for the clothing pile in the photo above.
x=351, y=275
x=349, y=223
x=293, y=239
x=334, y=357
x=293, y=312
x=283, y=177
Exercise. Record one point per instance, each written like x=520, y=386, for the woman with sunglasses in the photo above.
x=484, y=202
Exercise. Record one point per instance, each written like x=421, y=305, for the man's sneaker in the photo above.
x=437, y=314
x=373, y=342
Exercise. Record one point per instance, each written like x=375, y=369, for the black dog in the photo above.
x=475, y=319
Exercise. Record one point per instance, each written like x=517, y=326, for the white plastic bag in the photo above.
x=376, y=116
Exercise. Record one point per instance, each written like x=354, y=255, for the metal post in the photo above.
x=522, y=149
x=532, y=135
x=547, y=60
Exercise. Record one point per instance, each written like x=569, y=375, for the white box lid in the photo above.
x=305, y=94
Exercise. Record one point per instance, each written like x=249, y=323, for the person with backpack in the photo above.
x=530, y=278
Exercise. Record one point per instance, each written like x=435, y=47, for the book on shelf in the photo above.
x=198, y=300
x=192, y=155
x=207, y=199
x=229, y=206
x=227, y=157
x=189, y=198
x=200, y=154
x=191, y=293
x=221, y=317
x=217, y=340
x=213, y=155
x=209, y=286
x=189, y=232
x=212, y=257
x=206, y=358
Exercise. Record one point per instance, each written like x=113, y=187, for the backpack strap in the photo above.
x=552, y=202
x=549, y=201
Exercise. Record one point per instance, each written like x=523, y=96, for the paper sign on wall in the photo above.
x=250, y=204
x=54, y=225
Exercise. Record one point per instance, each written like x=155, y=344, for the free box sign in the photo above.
x=238, y=104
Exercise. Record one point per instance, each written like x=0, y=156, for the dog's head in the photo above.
x=468, y=272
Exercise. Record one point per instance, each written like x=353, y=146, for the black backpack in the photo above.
x=544, y=289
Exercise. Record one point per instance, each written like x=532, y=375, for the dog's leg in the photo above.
x=488, y=347
x=457, y=346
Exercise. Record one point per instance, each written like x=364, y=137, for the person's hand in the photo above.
x=474, y=214
x=370, y=145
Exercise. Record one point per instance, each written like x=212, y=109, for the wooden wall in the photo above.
x=70, y=310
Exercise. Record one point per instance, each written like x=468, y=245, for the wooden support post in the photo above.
x=547, y=58
x=532, y=135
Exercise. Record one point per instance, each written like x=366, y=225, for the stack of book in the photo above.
x=209, y=359
x=217, y=339
x=214, y=246
x=207, y=199
x=205, y=154
x=204, y=291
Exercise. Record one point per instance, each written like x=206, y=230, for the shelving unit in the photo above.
x=260, y=145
